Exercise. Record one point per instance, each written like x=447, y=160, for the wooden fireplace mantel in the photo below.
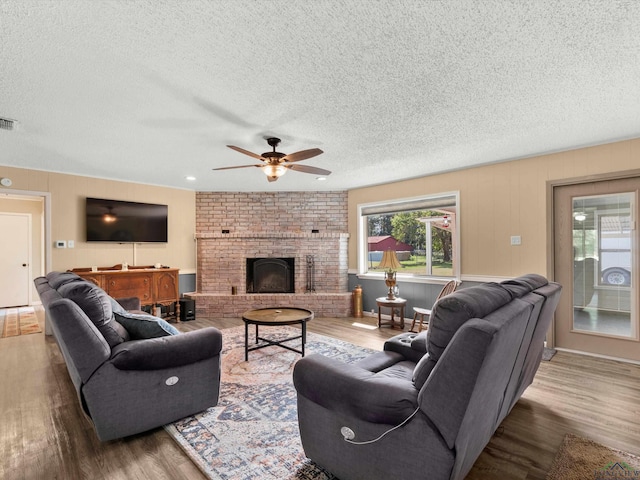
x=319, y=235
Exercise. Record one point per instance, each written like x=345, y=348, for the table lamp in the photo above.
x=390, y=264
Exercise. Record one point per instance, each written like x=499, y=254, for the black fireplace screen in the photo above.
x=270, y=275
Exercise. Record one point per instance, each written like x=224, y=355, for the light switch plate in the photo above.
x=516, y=240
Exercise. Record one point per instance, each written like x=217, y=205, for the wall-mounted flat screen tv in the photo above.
x=125, y=222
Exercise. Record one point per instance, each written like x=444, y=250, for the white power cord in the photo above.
x=349, y=434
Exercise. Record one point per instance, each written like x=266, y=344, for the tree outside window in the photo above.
x=424, y=238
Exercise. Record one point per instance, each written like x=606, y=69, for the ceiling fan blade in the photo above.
x=308, y=169
x=246, y=152
x=302, y=155
x=222, y=113
x=239, y=166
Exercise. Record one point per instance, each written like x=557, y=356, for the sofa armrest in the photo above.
x=130, y=303
x=166, y=352
x=354, y=391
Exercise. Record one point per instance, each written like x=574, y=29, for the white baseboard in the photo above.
x=597, y=355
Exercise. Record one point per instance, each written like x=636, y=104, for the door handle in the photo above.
x=24, y=264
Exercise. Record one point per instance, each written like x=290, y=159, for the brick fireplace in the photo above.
x=306, y=228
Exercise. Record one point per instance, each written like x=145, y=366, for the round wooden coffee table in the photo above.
x=274, y=317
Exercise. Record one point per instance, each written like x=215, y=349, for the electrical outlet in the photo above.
x=516, y=240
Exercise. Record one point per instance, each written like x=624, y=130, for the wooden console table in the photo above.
x=153, y=286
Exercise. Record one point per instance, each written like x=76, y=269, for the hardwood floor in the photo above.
x=43, y=434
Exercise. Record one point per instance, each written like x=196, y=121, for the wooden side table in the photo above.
x=397, y=304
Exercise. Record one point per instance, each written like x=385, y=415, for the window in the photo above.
x=423, y=231
x=602, y=230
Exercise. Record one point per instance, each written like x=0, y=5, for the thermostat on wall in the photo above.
x=6, y=182
x=61, y=244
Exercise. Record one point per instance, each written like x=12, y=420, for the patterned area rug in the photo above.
x=253, y=431
x=18, y=321
x=581, y=459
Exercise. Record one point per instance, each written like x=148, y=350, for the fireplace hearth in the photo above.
x=270, y=275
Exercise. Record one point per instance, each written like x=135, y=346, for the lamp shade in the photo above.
x=274, y=170
x=389, y=261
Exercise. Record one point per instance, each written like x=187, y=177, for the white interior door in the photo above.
x=15, y=257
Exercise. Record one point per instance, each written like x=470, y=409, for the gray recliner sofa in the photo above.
x=128, y=383
x=426, y=406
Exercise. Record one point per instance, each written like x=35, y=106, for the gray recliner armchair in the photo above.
x=128, y=381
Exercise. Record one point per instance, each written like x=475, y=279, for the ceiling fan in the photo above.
x=276, y=164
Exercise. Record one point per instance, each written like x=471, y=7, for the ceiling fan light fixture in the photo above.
x=275, y=164
x=274, y=170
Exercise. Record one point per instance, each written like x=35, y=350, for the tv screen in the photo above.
x=124, y=222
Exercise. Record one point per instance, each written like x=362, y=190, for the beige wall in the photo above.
x=501, y=200
x=496, y=201
x=68, y=194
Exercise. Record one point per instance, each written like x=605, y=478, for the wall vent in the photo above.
x=7, y=124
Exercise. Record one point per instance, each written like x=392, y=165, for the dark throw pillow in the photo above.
x=142, y=326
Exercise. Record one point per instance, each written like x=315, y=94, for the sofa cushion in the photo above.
x=121, y=331
x=57, y=279
x=96, y=305
x=401, y=370
x=450, y=313
x=378, y=361
x=526, y=283
x=142, y=326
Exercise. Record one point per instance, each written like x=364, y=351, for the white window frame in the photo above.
x=389, y=206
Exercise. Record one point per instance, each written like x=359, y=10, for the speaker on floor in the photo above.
x=187, y=309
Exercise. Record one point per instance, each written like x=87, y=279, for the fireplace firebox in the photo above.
x=270, y=275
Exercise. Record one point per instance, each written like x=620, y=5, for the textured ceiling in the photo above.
x=152, y=91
